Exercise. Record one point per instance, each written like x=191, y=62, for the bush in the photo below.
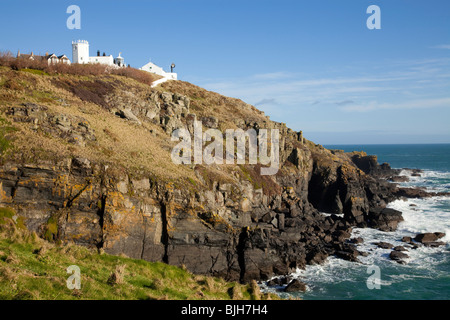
x=51, y=232
x=138, y=75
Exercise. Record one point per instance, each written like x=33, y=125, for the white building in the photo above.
x=50, y=58
x=153, y=68
x=80, y=54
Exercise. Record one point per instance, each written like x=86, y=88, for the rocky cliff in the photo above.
x=88, y=160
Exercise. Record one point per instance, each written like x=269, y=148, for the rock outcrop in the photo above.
x=295, y=286
x=94, y=181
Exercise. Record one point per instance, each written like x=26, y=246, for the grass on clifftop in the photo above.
x=34, y=269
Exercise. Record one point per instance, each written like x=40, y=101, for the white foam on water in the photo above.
x=420, y=216
x=424, y=215
x=330, y=272
x=341, y=215
x=431, y=180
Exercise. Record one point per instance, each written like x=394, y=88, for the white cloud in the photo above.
x=417, y=84
x=442, y=46
x=266, y=101
x=416, y=104
x=345, y=102
x=272, y=76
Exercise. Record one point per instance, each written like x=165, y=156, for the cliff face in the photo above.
x=88, y=161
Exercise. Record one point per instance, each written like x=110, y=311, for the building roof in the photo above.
x=39, y=57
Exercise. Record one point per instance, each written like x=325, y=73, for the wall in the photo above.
x=153, y=68
x=80, y=55
x=108, y=60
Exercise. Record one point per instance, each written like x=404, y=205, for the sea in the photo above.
x=426, y=274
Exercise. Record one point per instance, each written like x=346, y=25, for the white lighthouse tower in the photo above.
x=80, y=51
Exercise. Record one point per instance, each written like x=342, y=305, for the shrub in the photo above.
x=92, y=91
x=6, y=213
x=51, y=232
x=138, y=75
x=7, y=59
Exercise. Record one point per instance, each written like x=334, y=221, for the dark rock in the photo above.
x=295, y=286
x=407, y=239
x=384, y=219
x=350, y=255
x=440, y=234
x=417, y=193
x=384, y=245
x=399, y=179
x=294, y=211
x=357, y=240
x=368, y=164
x=281, y=221
x=400, y=248
x=398, y=256
x=273, y=282
x=414, y=245
x=428, y=237
x=434, y=244
x=267, y=218
x=210, y=122
x=342, y=235
x=363, y=253
x=276, y=282
x=316, y=256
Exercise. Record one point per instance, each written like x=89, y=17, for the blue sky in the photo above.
x=311, y=64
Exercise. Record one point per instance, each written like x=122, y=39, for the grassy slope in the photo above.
x=31, y=268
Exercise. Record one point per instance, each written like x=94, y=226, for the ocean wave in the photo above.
x=424, y=263
x=436, y=181
x=424, y=215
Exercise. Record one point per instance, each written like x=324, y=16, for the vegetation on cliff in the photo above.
x=35, y=269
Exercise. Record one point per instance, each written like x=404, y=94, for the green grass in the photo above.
x=43, y=96
x=34, y=71
x=7, y=214
x=51, y=231
x=5, y=130
x=32, y=268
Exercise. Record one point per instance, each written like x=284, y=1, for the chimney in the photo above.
x=98, y=53
x=104, y=54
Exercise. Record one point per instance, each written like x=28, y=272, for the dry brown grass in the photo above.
x=139, y=149
x=117, y=140
x=207, y=103
x=138, y=75
x=7, y=59
x=117, y=277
